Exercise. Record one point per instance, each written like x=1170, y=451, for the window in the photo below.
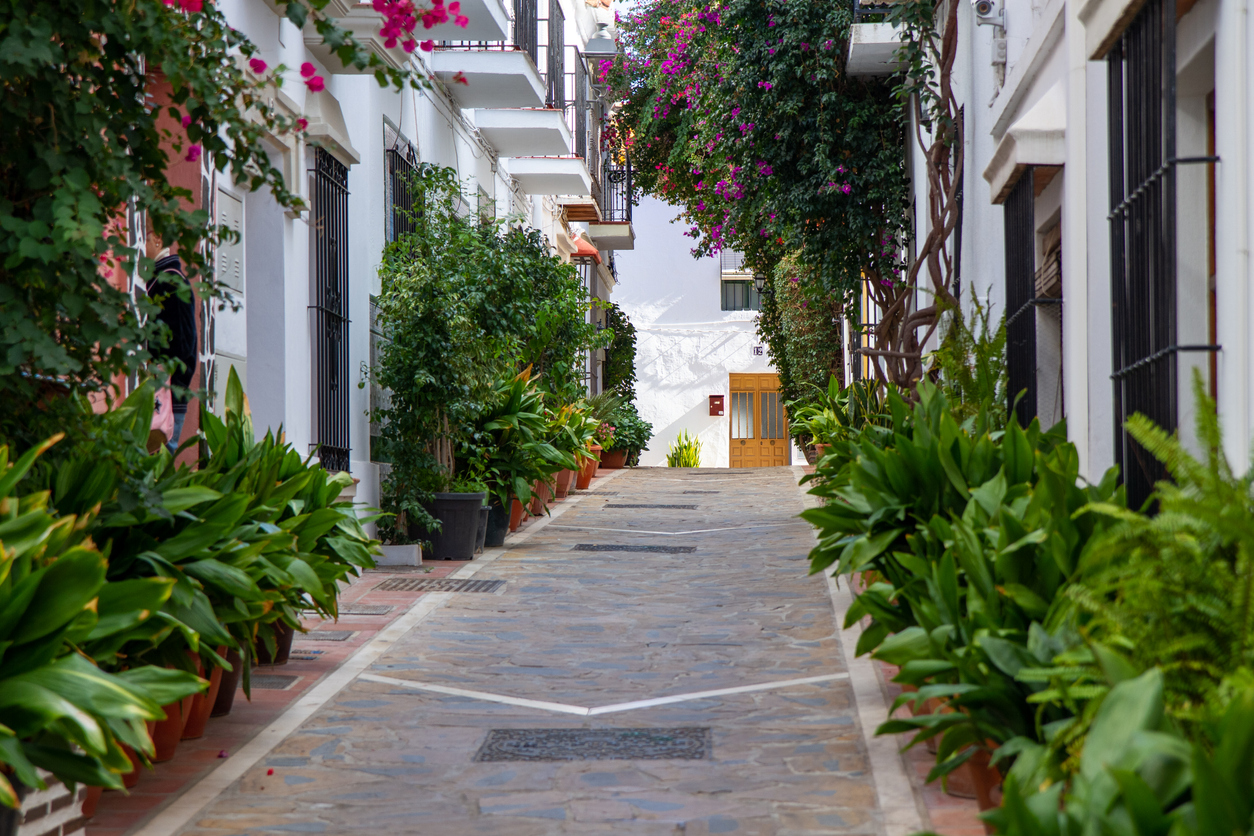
x=329, y=227
x=1019, y=226
x=741, y=296
x=402, y=164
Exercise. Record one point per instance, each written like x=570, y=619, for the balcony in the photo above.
x=518, y=132
x=551, y=175
x=489, y=21
x=873, y=45
x=363, y=22
x=493, y=78
x=613, y=230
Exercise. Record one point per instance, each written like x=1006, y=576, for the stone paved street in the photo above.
x=581, y=630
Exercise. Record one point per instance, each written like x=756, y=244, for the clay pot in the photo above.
x=540, y=498
x=228, y=684
x=589, y=467
x=130, y=779
x=515, y=515
x=613, y=459
x=168, y=732
x=283, y=635
x=203, y=703
x=820, y=450
x=564, y=480
x=90, y=799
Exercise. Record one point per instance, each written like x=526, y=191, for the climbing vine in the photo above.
x=620, y=356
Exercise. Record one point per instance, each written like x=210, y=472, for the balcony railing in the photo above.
x=616, y=189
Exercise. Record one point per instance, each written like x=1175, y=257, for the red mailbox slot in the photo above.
x=716, y=404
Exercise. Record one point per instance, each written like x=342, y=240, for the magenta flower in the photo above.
x=317, y=84
x=193, y=152
x=307, y=69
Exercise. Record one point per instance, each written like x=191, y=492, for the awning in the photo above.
x=1038, y=137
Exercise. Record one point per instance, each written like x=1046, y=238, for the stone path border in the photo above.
x=183, y=809
x=904, y=811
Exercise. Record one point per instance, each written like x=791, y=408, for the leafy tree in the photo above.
x=620, y=355
x=742, y=114
x=802, y=327
x=98, y=98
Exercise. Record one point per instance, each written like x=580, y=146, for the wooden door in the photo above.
x=759, y=422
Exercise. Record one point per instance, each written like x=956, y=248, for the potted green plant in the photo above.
x=631, y=436
x=457, y=511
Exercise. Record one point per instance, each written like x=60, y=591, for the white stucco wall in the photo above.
x=686, y=346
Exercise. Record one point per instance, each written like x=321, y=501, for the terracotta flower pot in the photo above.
x=283, y=635
x=130, y=779
x=820, y=450
x=90, y=800
x=228, y=685
x=564, y=480
x=515, y=515
x=203, y=703
x=168, y=732
x=589, y=468
x=540, y=498
x=613, y=459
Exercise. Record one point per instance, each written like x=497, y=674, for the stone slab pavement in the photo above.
x=584, y=635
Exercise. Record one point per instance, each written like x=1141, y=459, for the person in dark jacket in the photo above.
x=179, y=315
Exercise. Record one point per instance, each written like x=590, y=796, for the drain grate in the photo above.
x=614, y=547
x=304, y=655
x=273, y=681
x=595, y=744
x=328, y=635
x=438, y=585
x=365, y=609
x=625, y=505
x=702, y=491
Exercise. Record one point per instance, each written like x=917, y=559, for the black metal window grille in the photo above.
x=1141, y=97
x=741, y=296
x=380, y=398
x=616, y=192
x=555, y=54
x=1020, y=292
x=329, y=225
x=527, y=28
x=402, y=164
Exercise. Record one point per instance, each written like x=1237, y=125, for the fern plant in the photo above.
x=685, y=452
x=971, y=365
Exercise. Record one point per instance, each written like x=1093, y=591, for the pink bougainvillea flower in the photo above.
x=186, y=120
x=307, y=69
x=427, y=46
x=317, y=84
x=461, y=79
x=462, y=21
x=258, y=66
x=193, y=153
x=191, y=5
x=302, y=124
x=409, y=45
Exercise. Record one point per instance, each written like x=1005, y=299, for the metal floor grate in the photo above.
x=690, y=743
x=304, y=655
x=625, y=505
x=438, y=585
x=365, y=609
x=273, y=681
x=614, y=547
x=328, y=635
x=702, y=491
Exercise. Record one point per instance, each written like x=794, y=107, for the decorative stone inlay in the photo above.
x=690, y=743
x=616, y=547
x=438, y=585
x=702, y=491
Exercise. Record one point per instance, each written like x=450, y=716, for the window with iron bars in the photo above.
x=1019, y=223
x=398, y=190
x=329, y=227
x=1141, y=101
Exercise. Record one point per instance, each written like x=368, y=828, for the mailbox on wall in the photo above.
x=716, y=404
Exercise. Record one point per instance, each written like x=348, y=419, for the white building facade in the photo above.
x=695, y=330
x=522, y=132
x=1109, y=163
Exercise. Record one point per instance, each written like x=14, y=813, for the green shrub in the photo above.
x=632, y=433
x=58, y=710
x=685, y=452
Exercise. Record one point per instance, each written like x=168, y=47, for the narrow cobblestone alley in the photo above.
x=657, y=661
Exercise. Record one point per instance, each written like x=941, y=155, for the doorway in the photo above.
x=759, y=422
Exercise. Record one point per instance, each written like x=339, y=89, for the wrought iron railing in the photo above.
x=329, y=224
x=616, y=191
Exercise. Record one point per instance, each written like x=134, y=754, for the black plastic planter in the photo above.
x=458, y=514
x=230, y=684
x=11, y=817
x=498, y=526
x=283, y=635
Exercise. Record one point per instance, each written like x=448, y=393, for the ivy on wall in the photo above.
x=620, y=356
x=802, y=329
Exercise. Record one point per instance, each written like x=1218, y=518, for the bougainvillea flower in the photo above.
x=258, y=66
x=307, y=69
x=186, y=120
x=302, y=124
x=427, y=46
x=193, y=152
x=461, y=79
x=317, y=84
